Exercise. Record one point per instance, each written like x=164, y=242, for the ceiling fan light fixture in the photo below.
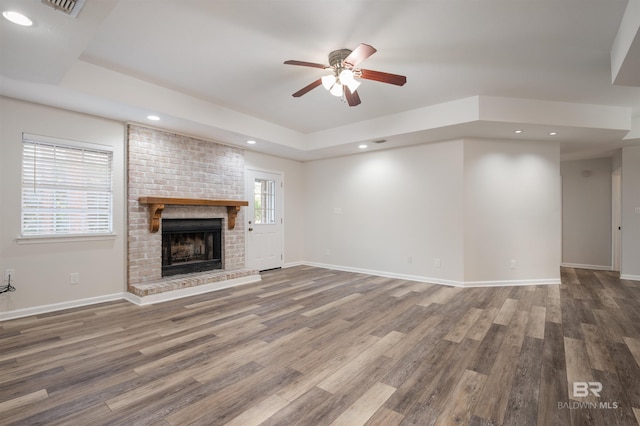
x=353, y=85
x=328, y=81
x=346, y=78
x=336, y=90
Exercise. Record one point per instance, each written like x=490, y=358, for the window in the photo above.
x=265, y=201
x=66, y=188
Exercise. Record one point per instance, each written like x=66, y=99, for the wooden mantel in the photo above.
x=156, y=206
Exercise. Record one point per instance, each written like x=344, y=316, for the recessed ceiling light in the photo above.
x=362, y=146
x=17, y=18
x=153, y=117
x=553, y=133
x=251, y=142
x=517, y=131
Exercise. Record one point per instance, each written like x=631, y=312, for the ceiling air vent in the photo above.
x=70, y=7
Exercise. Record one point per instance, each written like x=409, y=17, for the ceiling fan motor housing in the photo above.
x=337, y=57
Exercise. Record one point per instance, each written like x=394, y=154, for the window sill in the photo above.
x=64, y=238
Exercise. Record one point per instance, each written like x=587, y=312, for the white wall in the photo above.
x=294, y=191
x=630, y=268
x=586, y=213
x=475, y=205
x=392, y=211
x=42, y=269
x=512, y=212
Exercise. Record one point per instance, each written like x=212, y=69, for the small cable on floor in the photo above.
x=7, y=288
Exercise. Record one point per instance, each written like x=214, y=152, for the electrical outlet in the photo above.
x=513, y=264
x=410, y=260
x=9, y=274
x=327, y=252
x=437, y=263
x=74, y=278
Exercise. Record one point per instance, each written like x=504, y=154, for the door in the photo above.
x=265, y=220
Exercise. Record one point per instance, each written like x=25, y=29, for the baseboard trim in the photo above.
x=45, y=309
x=384, y=274
x=630, y=277
x=584, y=266
x=190, y=291
x=431, y=280
x=512, y=283
x=132, y=298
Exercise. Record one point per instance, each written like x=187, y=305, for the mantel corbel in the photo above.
x=155, y=212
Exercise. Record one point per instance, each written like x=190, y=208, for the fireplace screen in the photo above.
x=191, y=245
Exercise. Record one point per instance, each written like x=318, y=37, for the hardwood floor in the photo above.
x=311, y=346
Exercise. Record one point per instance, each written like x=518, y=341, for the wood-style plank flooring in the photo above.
x=310, y=346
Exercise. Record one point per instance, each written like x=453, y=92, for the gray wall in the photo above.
x=43, y=266
x=586, y=213
x=456, y=212
x=630, y=219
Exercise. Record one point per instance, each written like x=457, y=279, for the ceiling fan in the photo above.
x=342, y=81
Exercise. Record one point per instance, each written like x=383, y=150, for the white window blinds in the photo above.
x=66, y=189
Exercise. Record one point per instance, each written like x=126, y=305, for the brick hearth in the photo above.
x=180, y=282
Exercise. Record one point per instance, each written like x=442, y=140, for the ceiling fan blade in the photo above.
x=362, y=52
x=383, y=77
x=307, y=88
x=352, y=98
x=306, y=64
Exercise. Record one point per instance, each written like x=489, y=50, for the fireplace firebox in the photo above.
x=191, y=245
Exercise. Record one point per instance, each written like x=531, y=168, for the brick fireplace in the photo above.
x=162, y=164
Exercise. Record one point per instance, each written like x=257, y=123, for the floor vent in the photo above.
x=70, y=7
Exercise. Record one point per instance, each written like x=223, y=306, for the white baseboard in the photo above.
x=513, y=283
x=386, y=274
x=431, y=280
x=44, y=309
x=630, y=277
x=583, y=266
x=137, y=300
x=190, y=291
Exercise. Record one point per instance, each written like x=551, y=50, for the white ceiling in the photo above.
x=214, y=69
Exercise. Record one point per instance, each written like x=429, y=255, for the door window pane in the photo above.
x=265, y=201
